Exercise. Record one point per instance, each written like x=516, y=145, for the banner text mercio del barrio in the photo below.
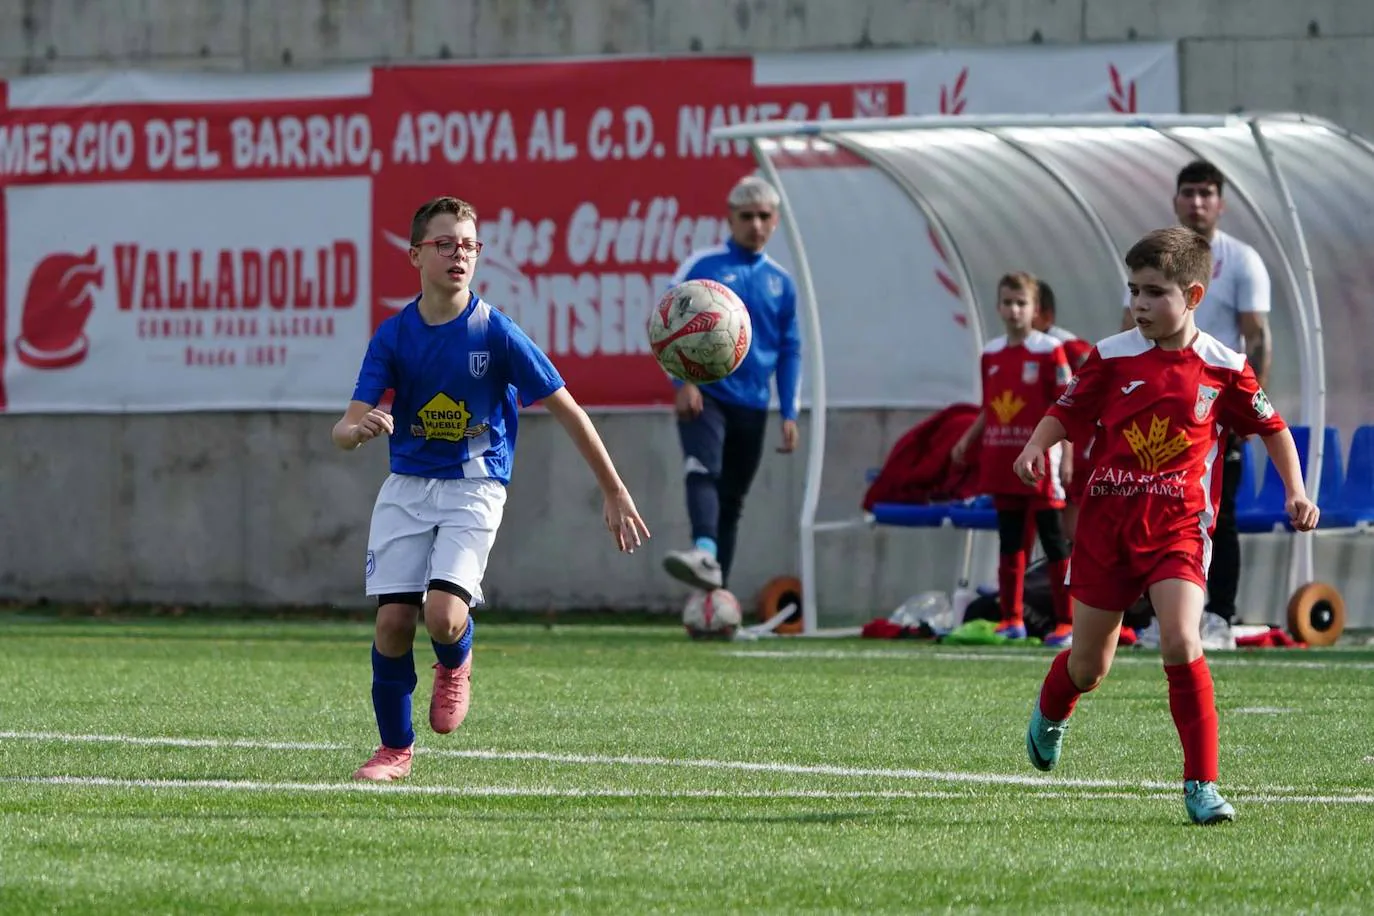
x=227, y=143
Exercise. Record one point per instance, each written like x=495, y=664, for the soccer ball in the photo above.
x=712, y=615
x=700, y=331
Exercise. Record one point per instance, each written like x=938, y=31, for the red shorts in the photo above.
x=1108, y=572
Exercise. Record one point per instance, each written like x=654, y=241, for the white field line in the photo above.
x=953, y=776
x=233, y=785
x=483, y=791
x=1214, y=659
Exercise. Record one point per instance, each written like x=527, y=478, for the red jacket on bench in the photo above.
x=918, y=469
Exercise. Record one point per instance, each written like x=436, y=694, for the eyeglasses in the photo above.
x=447, y=247
x=762, y=216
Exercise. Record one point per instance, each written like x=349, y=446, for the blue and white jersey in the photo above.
x=771, y=298
x=458, y=389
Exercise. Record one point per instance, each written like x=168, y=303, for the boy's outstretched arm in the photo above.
x=621, y=516
x=1301, y=511
x=1030, y=464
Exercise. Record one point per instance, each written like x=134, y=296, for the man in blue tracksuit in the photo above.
x=723, y=424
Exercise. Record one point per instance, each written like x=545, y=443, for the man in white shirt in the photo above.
x=1235, y=312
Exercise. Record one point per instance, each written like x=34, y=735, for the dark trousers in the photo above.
x=1223, y=576
x=722, y=447
x=1015, y=532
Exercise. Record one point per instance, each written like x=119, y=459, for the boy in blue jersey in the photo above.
x=460, y=370
x=722, y=425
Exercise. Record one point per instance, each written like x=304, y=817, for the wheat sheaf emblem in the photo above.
x=1007, y=405
x=1157, y=448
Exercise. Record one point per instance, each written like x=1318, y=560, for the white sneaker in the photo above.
x=696, y=567
x=1216, y=632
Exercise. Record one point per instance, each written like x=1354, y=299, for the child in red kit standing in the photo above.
x=1023, y=372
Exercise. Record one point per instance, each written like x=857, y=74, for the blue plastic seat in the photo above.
x=977, y=513
x=911, y=515
x=1353, y=505
x=1267, y=512
x=1331, y=488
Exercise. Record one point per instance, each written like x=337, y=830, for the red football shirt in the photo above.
x=1020, y=382
x=1158, y=416
x=1077, y=351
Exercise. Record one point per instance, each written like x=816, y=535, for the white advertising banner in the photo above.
x=188, y=295
x=1020, y=80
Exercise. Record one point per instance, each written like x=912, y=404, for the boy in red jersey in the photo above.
x=1160, y=397
x=1023, y=372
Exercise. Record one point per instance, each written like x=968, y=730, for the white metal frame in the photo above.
x=762, y=137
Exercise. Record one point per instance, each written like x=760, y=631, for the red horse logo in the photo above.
x=56, y=306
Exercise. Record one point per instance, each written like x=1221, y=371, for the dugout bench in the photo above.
x=1316, y=611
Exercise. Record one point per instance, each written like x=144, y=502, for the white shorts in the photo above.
x=424, y=528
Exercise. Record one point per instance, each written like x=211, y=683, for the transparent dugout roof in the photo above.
x=1064, y=198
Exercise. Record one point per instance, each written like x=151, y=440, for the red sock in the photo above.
x=1011, y=580
x=1192, y=702
x=1059, y=694
x=1059, y=591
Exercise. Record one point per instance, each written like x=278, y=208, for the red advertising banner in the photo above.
x=265, y=239
x=184, y=242
x=592, y=182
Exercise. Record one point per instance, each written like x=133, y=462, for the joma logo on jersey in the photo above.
x=1007, y=405
x=1156, y=447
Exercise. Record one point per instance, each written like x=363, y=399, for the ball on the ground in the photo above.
x=712, y=615
x=700, y=331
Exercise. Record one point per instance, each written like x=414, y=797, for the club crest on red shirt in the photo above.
x=1206, y=397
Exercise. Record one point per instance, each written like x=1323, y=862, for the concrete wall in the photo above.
x=232, y=509
x=1258, y=54
x=261, y=508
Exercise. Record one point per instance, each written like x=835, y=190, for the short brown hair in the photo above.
x=1044, y=298
x=1182, y=255
x=437, y=207
x=1019, y=279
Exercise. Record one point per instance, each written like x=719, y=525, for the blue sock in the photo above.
x=393, y=681
x=708, y=545
x=453, y=654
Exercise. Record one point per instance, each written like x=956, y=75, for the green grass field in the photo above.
x=198, y=766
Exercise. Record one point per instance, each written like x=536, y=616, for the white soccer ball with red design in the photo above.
x=714, y=614
x=700, y=331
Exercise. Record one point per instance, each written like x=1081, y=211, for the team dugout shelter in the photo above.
x=1064, y=197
